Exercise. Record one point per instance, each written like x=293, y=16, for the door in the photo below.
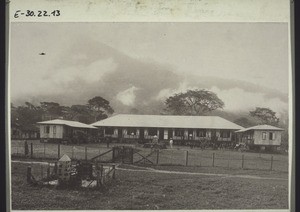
x=214, y=135
x=161, y=134
x=142, y=133
x=119, y=133
x=165, y=134
x=170, y=133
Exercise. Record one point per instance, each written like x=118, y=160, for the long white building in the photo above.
x=194, y=128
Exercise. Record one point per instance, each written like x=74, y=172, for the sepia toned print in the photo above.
x=149, y=115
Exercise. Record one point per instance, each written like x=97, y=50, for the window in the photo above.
x=152, y=131
x=131, y=131
x=54, y=129
x=201, y=133
x=264, y=135
x=271, y=136
x=46, y=129
x=225, y=134
x=109, y=131
x=179, y=132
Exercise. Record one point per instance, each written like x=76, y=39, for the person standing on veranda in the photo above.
x=171, y=143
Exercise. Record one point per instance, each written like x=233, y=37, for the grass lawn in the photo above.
x=150, y=190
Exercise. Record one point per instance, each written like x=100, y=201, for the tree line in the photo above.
x=25, y=117
x=192, y=102
x=202, y=102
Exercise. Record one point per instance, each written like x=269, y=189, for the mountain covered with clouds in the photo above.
x=136, y=83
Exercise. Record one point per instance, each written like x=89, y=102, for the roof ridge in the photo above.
x=164, y=115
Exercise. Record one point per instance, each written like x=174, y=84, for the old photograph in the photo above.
x=149, y=115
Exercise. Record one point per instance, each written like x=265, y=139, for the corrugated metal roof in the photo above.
x=164, y=121
x=68, y=123
x=261, y=127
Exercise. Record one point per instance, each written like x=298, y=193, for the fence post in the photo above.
x=101, y=175
x=113, y=155
x=114, y=170
x=48, y=170
x=131, y=155
x=42, y=171
x=26, y=148
x=242, y=161
x=187, y=158
x=271, y=163
x=28, y=174
x=122, y=154
x=157, y=156
x=228, y=161
x=44, y=150
x=58, y=151
x=31, y=150
x=85, y=153
x=97, y=167
x=213, y=159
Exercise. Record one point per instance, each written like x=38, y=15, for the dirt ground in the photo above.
x=135, y=189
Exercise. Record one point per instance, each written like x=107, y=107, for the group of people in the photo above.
x=207, y=145
x=155, y=141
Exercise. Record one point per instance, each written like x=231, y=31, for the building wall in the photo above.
x=185, y=134
x=58, y=133
x=259, y=141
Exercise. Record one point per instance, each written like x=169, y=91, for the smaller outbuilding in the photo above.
x=65, y=131
x=261, y=137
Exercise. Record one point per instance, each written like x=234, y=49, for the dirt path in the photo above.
x=147, y=169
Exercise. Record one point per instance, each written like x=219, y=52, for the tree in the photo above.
x=265, y=116
x=81, y=113
x=51, y=110
x=193, y=102
x=26, y=117
x=100, y=108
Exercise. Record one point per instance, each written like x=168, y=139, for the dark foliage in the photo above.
x=193, y=102
x=265, y=116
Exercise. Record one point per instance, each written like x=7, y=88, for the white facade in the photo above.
x=51, y=131
x=263, y=137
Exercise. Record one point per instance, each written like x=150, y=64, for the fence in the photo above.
x=226, y=159
x=182, y=157
x=55, y=151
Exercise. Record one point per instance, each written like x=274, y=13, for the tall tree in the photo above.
x=265, y=116
x=51, y=110
x=100, y=108
x=193, y=102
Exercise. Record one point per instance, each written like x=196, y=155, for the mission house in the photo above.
x=165, y=127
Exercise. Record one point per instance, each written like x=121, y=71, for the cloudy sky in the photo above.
x=138, y=65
